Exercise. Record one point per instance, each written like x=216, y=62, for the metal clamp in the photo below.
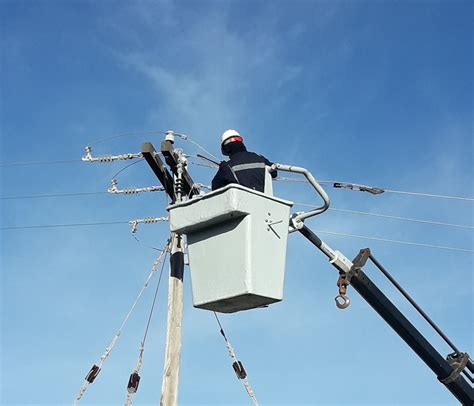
x=458, y=362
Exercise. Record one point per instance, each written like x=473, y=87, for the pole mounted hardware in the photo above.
x=179, y=186
x=87, y=157
x=176, y=160
x=131, y=191
x=159, y=169
x=147, y=220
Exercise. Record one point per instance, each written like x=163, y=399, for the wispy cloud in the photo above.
x=204, y=77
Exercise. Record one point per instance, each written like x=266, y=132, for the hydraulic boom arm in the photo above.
x=453, y=372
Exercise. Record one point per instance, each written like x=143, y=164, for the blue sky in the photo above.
x=375, y=92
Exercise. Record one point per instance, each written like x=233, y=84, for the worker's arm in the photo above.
x=223, y=177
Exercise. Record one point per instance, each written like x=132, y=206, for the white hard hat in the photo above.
x=229, y=134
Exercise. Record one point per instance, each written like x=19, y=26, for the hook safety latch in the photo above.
x=342, y=301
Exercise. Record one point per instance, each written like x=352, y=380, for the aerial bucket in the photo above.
x=237, y=241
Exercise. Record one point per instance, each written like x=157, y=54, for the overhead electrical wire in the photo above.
x=52, y=195
x=96, y=368
x=134, y=379
x=324, y=232
x=129, y=134
x=364, y=213
x=396, y=241
x=237, y=365
x=282, y=179
x=128, y=166
x=39, y=163
x=438, y=196
x=437, y=223
x=409, y=219
x=103, y=223
x=469, y=199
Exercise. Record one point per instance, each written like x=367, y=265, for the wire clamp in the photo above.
x=359, y=188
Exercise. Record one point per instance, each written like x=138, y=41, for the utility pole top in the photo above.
x=178, y=185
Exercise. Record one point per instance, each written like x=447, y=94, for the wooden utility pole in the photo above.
x=176, y=186
x=169, y=388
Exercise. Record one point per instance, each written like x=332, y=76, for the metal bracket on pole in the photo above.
x=174, y=159
x=159, y=169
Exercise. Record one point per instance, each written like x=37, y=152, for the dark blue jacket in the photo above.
x=244, y=167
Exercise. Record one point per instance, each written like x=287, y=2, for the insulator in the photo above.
x=133, y=382
x=239, y=370
x=169, y=136
x=105, y=159
x=92, y=373
x=179, y=186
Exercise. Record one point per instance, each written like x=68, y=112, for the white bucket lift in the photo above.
x=237, y=241
x=230, y=233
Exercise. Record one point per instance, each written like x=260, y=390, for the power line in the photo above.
x=96, y=368
x=395, y=241
x=64, y=225
x=438, y=223
x=410, y=219
x=282, y=179
x=322, y=232
x=125, y=135
x=438, y=196
x=469, y=199
x=404, y=218
x=53, y=195
x=39, y=163
x=127, y=166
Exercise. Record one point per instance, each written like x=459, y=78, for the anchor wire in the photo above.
x=237, y=365
x=135, y=377
x=96, y=368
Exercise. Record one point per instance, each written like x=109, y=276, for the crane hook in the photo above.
x=342, y=301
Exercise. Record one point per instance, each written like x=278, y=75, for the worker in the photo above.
x=243, y=167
